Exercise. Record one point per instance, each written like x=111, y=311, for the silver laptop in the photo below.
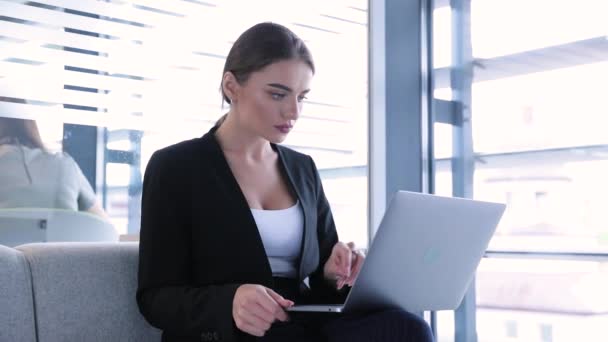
x=423, y=256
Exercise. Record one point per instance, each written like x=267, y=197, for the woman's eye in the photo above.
x=302, y=98
x=277, y=96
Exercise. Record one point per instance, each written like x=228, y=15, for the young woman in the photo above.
x=236, y=228
x=33, y=177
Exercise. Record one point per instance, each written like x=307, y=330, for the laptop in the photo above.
x=423, y=256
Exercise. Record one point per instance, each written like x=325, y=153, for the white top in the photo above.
x=281, y=232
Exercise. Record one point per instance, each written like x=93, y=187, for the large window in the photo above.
x=543, y=152
x=146, y=74
x=538, y=114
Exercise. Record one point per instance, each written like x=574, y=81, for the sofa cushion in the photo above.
x=86, y=292
x=16, y=303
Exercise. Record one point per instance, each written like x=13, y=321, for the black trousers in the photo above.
x=385, y=326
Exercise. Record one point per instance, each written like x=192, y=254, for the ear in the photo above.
x=230, y=86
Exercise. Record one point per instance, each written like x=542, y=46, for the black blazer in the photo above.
x=199, y=241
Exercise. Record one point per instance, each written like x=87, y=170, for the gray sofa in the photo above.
x=51, y=292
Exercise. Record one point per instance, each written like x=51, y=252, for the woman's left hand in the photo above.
x=343, y=265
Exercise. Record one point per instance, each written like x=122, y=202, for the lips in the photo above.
x=283, y=128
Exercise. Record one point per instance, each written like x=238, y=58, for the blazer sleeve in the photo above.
x=165, y=294
x=322, y=290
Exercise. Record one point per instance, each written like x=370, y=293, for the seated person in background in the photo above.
x=36, y=178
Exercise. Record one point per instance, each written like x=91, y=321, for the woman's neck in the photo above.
x=237, y=140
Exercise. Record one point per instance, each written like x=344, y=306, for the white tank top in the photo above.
x=281, y=232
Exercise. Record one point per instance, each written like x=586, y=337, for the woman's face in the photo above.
x=270, y=101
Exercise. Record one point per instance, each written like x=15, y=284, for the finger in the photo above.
x=347, y=256
x=280, y=303
x=341, y=254
x=353, y=258
x=262, y=313
x=279, y=313
x=266, y=303
x=340, y=258
x=268, y=309
x=336, y=269
x=255, y=318
x=255, y=309
x=360, y=262
x=356, y=269
x=279, y=299
x=251, y=319
x=252, y=330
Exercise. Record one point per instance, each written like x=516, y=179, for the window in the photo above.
x=540, y=143
x=147, y=76
x=538, y=119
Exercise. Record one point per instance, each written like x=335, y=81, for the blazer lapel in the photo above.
x=252, y=245
x=309, y=254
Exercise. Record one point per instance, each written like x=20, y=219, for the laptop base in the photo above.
x=316, y=308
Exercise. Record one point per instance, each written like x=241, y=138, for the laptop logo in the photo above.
x=431, y=256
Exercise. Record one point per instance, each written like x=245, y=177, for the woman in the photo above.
x=233, y=223
x=33, y=177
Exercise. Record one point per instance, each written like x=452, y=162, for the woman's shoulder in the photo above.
x=183, y=157
x=184, y=150
x=62, y=160
x=45, y=161
x=39, y=156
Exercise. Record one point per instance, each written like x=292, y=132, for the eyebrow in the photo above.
x=284, y=87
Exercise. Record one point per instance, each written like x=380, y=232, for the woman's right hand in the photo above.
x=256, y=307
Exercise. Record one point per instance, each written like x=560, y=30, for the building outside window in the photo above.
x=539, y=118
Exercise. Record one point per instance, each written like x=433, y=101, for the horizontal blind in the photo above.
x=155, y=65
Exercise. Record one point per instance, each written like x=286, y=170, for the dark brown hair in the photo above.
x=19, y=131
x=260, y=46
x=24, y=132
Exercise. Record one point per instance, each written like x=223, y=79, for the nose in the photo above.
x=292, y=110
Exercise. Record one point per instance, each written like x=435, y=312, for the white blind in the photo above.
x=155, y=65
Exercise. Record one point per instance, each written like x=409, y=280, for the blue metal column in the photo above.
x=463, y=163
x=399, y=114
